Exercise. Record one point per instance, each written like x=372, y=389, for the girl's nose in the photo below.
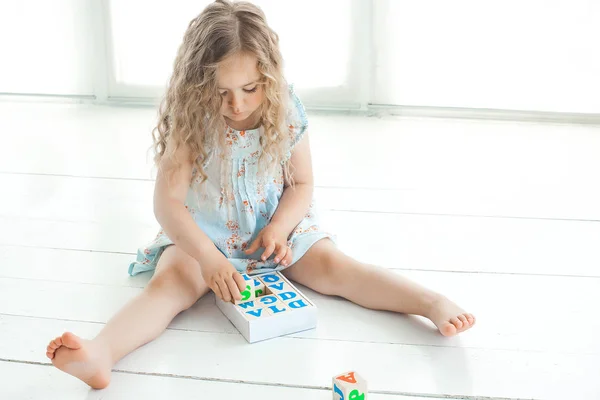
x=234, y=102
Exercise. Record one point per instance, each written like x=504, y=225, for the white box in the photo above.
x=274, y=314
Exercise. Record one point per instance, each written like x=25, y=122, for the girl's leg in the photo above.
x=327, y=270
x=176, y=285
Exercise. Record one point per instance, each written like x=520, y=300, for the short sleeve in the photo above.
x=297, y=120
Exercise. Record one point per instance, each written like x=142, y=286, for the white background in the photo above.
x=509, y=55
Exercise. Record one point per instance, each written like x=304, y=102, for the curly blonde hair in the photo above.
x=189, y=113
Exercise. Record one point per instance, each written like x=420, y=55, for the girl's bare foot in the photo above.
x=449, y=318
x=84, y=359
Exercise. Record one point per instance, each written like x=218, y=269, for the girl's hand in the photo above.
x=274, y=240
x=222, y=277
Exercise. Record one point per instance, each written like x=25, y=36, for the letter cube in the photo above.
x=349, y=386
x=287, y=296
x=248, y=293
x=259, y=288
x=255, y=313
x=277, y=308
x=266, y=301
x=274, y=283
x=249, y=305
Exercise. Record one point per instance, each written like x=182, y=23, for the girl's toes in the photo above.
x=456, y=322
x=463, y=319
x=448, y=329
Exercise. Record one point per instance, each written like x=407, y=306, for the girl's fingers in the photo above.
x=254, y=246
x=239, y=280
x=233, y=289
x=226, y=296
x=215, y=288
x=287, y=260
x=268, y=251
x=281, y=251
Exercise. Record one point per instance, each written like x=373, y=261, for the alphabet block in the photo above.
x=274, y=283
x=256, y=313
x=271, y=278
x=349, y=386
x=259, y=288
x=248, y=293
x=298, y=303
x=249, y=305
x=277, y=308
x=267, y=300
x=286, y=296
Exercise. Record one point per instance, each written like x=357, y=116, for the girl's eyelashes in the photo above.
x=253, y=90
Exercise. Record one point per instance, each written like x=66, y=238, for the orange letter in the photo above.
x=347, y=378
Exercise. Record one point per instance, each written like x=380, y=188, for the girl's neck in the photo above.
x=252, y=122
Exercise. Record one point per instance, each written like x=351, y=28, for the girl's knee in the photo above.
x=179, y=281
x=330, y=274
x=322, y=268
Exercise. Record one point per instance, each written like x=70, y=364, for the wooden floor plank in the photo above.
x=389, y=368
x=511, y=311
x=392, y=241
x=420, y=152
x=31, y=381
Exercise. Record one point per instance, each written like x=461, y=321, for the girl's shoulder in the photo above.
x=297, y=121
x=296, y=114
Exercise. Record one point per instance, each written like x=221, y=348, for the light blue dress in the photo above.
x=233, y=220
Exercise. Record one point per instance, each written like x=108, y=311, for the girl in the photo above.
x=233, y=194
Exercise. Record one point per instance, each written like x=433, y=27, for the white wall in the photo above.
x=536, y=55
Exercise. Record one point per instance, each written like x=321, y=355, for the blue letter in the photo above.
x=297, y=304
x=276, y=310
x=287, y=295
x=270, y=278
x=247, y=304
x=278, y=286
x=337, y=390
x=268, y=299
x=256, y=313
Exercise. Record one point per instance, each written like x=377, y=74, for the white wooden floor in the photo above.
x=502, y=217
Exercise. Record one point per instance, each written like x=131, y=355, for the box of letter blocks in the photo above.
x=273, y=307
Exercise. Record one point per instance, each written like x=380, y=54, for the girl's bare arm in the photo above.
x=170, y=191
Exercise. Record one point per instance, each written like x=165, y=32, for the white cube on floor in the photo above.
x=275, y=314
x=349, y=386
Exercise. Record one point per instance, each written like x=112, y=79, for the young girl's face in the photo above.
x=241, y=94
